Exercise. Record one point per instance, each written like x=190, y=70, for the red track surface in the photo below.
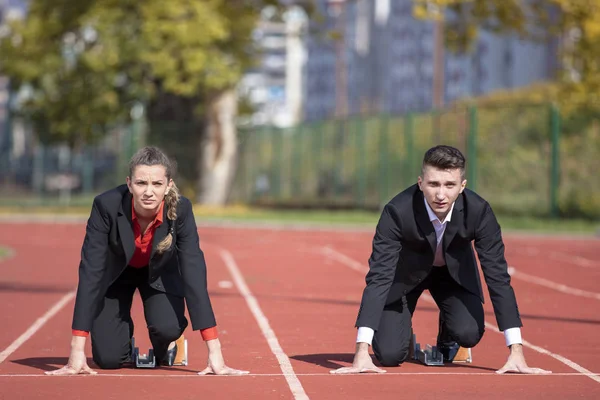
x=308, y=284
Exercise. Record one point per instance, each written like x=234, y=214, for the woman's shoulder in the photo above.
x=112, y=198
x=184, y=205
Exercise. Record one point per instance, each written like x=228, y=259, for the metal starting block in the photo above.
x=429, y=356
x=143, y=360
x=181, y=358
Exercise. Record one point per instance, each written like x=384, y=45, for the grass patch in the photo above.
x=4, y=253
x=361, y=218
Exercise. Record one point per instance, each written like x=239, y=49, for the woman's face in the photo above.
x=148, y=185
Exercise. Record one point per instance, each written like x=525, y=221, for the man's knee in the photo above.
x=468, y=335
x=391, y=358
x=108, y=361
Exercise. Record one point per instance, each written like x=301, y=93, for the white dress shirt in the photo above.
x=511, y=335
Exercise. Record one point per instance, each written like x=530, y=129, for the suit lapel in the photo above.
x=455, y=221
x=125, y=229
x=423, y=219
x=160, y=232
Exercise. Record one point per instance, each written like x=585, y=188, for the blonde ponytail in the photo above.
x=171, y=201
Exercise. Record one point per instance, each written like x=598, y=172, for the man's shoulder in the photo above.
x=405, y=198
x=474, y=201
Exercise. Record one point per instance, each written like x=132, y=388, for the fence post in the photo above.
x=384, y=124
x=409, y=128
x=361, y=162
x=555, y=159
x=472, y=148
x=277, y=143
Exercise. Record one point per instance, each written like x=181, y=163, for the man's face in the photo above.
x=441, y=188
x=148, y=184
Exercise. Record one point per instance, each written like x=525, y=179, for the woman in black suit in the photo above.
x=143, y=236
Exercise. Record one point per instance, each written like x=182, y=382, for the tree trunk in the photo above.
x=218, y=150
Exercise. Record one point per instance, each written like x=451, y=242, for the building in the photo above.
x=386, y=61
x=273, y=88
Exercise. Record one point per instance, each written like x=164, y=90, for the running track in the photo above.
x=286, y=302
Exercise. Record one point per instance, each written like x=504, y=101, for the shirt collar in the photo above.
x=433, y=217
x=159, y=216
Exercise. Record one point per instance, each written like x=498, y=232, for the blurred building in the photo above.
x=274, y=87
x=384, y=61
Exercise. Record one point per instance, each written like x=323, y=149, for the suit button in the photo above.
x=405, y=291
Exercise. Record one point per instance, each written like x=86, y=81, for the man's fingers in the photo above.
x=374, y=369
x=345, y=370
x=63, y=371
x=537, y=371
x=88, y=370
x=206, y=371
x=231, y=371
x=356, y=370
x=507, y=368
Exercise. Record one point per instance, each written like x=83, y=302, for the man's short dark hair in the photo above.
x=445, y=157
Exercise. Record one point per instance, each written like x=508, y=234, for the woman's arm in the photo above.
x=193, y=270
x=92, y=268
x=89, y=290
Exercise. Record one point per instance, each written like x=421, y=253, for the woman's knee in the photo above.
x=166, y=331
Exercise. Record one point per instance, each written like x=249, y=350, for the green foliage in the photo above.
x=87, y=62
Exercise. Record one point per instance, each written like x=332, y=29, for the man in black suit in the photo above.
x=423, y=241
x=141, y=236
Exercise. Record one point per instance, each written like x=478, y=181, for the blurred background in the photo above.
x=315, y=109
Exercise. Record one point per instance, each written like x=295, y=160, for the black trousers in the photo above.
x=461, y=318
x=112, y=329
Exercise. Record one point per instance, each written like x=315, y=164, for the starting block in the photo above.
x=430, y=356
x=463, y=355
x=143, y=360
x=181, y=358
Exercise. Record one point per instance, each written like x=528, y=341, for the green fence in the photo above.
x=517, y=158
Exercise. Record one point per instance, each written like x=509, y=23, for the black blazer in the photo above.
x=404, y=248
x=109, y=245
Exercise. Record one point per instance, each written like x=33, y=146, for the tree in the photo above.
x=575, y=23
x=86, y=63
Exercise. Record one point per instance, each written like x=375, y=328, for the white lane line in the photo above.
x=263, y=323
x=36, y=326
x=563, y=257
x=194, y=375
x=571, y=364
x=552, y=285
x=344, y=259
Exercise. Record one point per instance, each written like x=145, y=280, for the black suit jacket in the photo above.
x=109, y=245
x=404, y=248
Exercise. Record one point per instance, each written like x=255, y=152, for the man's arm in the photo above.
x=490, y=249
x=382, y=268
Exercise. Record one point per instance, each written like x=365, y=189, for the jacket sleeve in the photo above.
x=382, y=268
x=490, y=250
x=92, y=268
x=193, y=269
